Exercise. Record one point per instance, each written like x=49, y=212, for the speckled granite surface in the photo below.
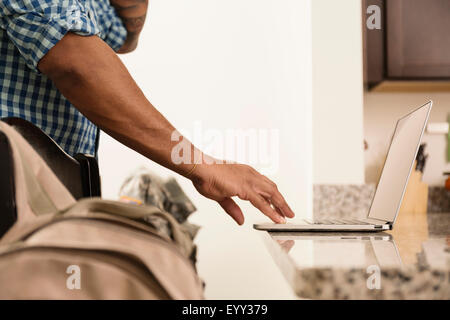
x=352, y=284
x=414, y=263
x=438, y=199
x=340, y=200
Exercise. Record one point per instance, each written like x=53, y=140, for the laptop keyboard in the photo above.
x=336, y=221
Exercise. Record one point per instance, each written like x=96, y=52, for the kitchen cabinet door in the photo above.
x=418, y=39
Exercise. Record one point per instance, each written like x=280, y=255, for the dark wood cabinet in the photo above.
x=412, y=44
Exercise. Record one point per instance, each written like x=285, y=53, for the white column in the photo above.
x=337, y=92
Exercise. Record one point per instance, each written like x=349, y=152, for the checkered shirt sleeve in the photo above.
x=35, y=26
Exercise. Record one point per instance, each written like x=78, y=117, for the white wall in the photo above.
x=230, y=64
x=337, y=92
x=381, y=111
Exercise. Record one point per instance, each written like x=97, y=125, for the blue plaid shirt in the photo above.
x=28, y=30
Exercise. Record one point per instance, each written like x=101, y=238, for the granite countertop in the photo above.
x=410, y=262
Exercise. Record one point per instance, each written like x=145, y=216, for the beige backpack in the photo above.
x=60, y=248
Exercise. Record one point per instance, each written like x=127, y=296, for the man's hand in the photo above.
x=220, y=182
x=132, y=13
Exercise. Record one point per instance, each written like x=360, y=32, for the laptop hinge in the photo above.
x=377, y=221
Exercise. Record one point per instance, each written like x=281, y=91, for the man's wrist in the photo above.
x=200, y=173
x=201, y=167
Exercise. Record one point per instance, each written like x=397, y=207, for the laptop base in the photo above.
x=307, y=227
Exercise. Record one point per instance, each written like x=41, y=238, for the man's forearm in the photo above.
x=92, y=77
x=133, y=14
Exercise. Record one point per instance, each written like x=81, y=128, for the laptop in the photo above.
x=391, y=186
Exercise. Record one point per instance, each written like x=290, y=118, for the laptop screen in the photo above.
x=399, y=162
